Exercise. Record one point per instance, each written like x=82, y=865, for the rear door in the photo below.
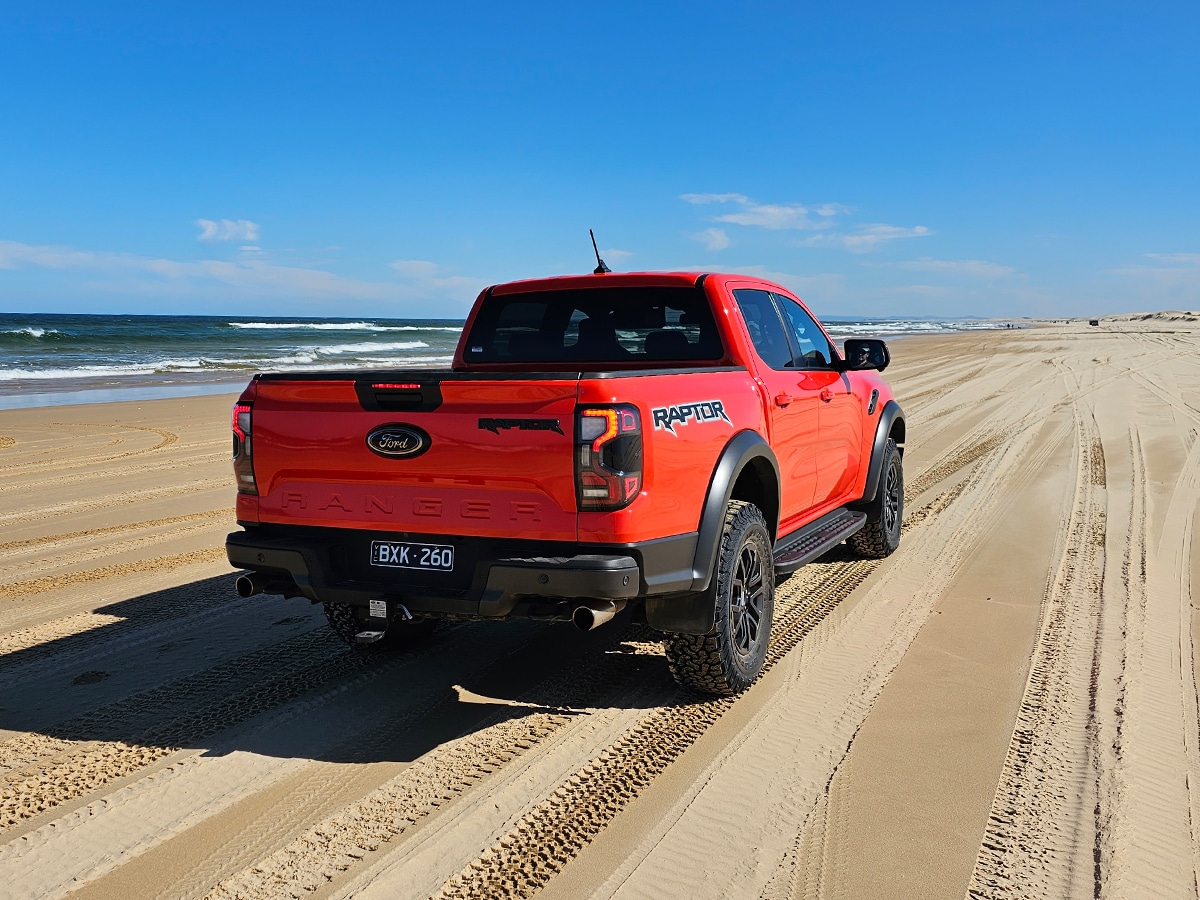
x=426, y=453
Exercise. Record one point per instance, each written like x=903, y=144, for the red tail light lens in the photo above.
x=243, y=462
x=608, y=457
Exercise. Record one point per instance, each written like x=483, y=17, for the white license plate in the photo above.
x=401, y=555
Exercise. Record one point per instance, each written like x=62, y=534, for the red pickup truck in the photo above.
x=672, y=442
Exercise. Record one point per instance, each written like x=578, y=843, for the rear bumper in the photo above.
x=509, y=579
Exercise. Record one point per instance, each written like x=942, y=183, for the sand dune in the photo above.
x=1006, y=707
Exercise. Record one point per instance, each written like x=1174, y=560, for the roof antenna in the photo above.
x=601, y=269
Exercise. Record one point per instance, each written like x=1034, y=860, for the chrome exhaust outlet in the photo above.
x=595, y=613
x=257, y=583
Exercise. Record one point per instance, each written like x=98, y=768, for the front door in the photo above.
x=839, y=445
x=793, y=409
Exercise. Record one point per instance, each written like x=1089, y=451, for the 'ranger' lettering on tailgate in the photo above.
x=495, y=425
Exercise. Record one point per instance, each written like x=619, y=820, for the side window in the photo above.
x=812, y=347
x=766, y=331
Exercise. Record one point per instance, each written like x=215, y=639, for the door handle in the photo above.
x=782, y=399
x=826, y=394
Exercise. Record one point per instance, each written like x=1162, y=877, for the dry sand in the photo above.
x=1006, y=707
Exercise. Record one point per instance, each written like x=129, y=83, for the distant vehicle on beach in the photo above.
x=669, y=442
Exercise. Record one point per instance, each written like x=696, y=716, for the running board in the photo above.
x=805, y=544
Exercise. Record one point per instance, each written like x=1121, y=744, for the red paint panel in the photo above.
x=314, y=467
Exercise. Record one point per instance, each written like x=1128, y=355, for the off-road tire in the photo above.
x=728, y=659
x=401, y=634
x=881, y=535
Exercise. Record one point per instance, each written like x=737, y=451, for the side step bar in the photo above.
x=807, y=543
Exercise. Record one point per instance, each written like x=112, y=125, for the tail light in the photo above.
x=243, y=460
x=608, y=457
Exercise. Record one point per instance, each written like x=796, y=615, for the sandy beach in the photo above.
x=1004, y=708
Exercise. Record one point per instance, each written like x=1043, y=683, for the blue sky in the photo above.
x=880, y=159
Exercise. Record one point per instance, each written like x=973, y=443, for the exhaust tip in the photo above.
x=596, y=613
x=246, y=587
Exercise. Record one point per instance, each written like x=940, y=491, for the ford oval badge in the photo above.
x=398, y=441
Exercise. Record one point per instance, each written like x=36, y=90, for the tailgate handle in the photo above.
x=381, y=395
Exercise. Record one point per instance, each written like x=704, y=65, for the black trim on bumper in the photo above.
x=498, y=578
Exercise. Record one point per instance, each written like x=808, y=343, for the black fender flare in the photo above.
x=887, y=418
x=694, y=612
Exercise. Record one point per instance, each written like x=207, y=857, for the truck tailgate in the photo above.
x=495, y=458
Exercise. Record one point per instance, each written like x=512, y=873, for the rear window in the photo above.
x=598, y=325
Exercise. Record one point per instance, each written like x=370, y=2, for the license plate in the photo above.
x=398, y=555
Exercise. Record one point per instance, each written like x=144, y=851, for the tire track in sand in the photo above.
x=108, y=501
x=1152, y=840
x=113, y=529
x=167, y=438
x=45, y=771
x=1041, y=834
x=26, y=589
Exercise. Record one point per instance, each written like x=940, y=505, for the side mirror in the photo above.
x=866, y=353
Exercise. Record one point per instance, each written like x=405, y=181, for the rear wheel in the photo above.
x=728, y=659
x=881, y=535
x=401, y=633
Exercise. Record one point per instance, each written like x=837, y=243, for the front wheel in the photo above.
x=881, y=535
x=728, y=659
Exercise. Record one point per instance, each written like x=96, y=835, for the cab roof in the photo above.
x=609, y=279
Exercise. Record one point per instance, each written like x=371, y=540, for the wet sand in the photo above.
x=1006, y=707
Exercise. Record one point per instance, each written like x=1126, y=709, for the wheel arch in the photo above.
x=891, y=425
x=746, y=470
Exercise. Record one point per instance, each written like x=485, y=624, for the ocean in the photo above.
x=48, y=359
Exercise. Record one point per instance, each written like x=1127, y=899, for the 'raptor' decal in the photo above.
x=701, y=411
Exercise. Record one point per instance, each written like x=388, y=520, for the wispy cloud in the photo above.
x=821, y=219
x=866, y=238
x=1184, y=259
x=712, y=238
x=821, y=289
x=250, y=276
x=227, y=230
x=1171, y=278
x=432, y=279
x=975, y=268
x=772, y=216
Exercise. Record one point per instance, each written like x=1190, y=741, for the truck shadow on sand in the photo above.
x=197, y=667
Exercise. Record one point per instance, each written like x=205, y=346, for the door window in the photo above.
x=766, y=329
x=813, y=350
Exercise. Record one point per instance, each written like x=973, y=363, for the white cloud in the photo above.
x=227, y=230
x=1185, y=259
x=700, y=199
x=977, y=268
x=772, y=216
x=251, y=277
x=712, y=238
x=614, y=255
x=867, y=237
x=1172, y=280
x=822, y=288
x=415, y=268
